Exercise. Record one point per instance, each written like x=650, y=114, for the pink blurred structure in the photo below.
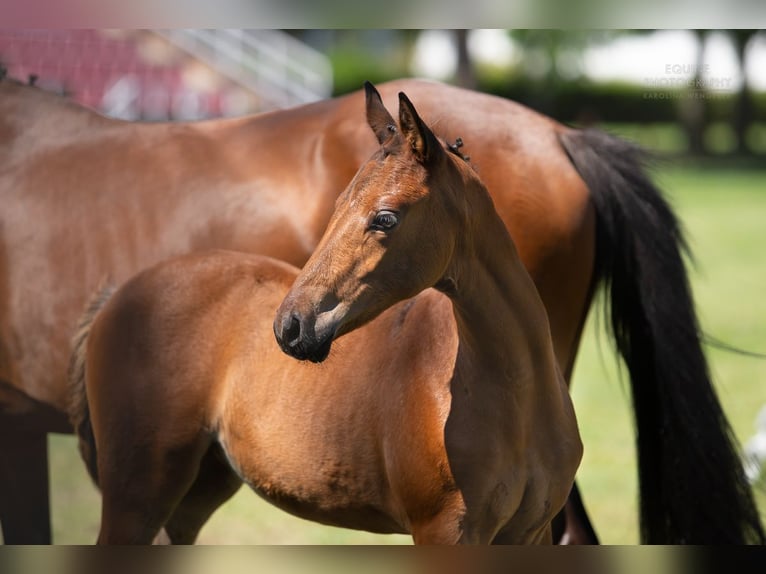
x=161, y=75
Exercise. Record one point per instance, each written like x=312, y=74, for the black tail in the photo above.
x=692, y=482
x=79, y=412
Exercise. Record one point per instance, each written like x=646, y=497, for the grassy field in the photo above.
x=724, y=212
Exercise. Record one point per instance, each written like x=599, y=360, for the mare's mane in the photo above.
x=32, y=82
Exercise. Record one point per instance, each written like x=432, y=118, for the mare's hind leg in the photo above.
x=142, y=485
x=24, y=502
x=572, y=525
x=577, y=526
x=216, y=482
x=24, y=499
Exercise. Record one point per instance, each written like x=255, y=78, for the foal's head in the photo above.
x=393, y=234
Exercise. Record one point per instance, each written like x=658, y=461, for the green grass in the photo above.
x=724, y=213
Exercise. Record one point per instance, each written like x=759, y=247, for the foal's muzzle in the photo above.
x=297, y=337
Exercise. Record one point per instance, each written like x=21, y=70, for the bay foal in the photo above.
x=442, y=414
x=502, y=439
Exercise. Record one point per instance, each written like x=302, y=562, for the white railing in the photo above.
x=281, y=70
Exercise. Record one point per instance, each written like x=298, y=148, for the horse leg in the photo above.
x=545, y=536
x=140, y=496
x=24, y=497
x=216, y=482
x=452, y=525
x=579, y=529
x=452, y=530
x=512, y=535
x=439, y=530
x=573, y=525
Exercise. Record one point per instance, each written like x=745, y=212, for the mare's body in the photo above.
x=454, y=426
x=86, y=197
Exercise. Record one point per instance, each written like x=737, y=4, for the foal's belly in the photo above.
x=341, y=512
x=333, y=491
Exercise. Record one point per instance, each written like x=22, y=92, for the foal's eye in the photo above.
x=384, y=220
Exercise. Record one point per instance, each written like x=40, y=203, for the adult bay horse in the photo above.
x=85, y=197
x=447, y=420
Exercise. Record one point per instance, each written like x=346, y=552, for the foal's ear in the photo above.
x=421, y=139
x=378, y=117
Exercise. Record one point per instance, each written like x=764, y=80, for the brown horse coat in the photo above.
x=83, y=197
x=455, y=427
x=87, y=198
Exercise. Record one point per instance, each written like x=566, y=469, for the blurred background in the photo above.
x=700, y=92
x=696, y=98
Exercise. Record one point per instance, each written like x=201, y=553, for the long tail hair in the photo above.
x=693, y=488
x=79, y=412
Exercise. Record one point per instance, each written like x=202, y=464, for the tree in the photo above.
x=466, y=73
x=742, y=116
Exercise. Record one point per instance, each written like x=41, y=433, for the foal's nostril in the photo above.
x=293, y=330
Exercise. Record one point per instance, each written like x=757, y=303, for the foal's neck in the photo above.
x=501, y=320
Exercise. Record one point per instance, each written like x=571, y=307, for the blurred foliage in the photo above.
x=548, y=77
x=583, y=100
x=362, y=55
x=351, y=68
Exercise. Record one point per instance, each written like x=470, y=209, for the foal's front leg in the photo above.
x=442, y=529
x=543, y=535
x=449, y=526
